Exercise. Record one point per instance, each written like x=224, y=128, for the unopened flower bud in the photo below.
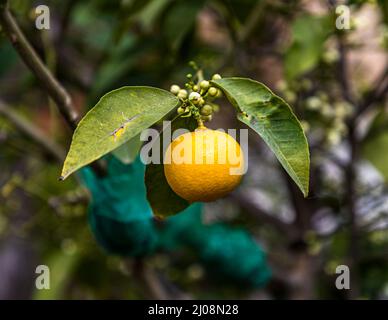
x=182, y=94
x=213, y=91
x=206, y=110
x=174, y=89
x=204, y=84
x=181, y=110
x=194, y=97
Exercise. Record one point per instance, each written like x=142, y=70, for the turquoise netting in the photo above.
x=121, y=220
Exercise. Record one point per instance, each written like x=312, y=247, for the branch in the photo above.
x=375, y=95
x=79, y=196
x=243, y=35
x=252, y=21
x=247, y=203
x=57, y=92
x=33, y=61
x=351, y=198
x=302, y=211
x=350, y=170
x=155, y=286
x=33, y=132
x=342, y=71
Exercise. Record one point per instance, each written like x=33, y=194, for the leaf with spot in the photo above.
x=272, y=118
x=163, y=200
x=119, y=116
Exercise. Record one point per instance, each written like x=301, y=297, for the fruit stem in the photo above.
x=200, y=123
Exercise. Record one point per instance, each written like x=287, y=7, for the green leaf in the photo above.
x=148, y=16
x=375, y=141
x=119, y=116
x=128, y=151
x=309, y=34
x=163, y=200
x=372, y=152
x=117, y=63
x=272, y=118
x=180, y=20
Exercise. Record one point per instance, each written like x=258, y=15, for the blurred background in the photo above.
x=264, y=241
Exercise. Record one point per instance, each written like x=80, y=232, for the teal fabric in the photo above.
x=119, y=214
x=121, y=221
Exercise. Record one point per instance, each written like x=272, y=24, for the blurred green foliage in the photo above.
x=291, y=45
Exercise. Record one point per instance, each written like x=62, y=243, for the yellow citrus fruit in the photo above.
x=203, y=165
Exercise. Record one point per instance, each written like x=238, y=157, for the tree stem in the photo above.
x=34, y=62
x=33, y=132
x=28, y=54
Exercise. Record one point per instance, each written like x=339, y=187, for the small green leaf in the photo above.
x=372, y=152
x=309, y=33
x=180, y=19
x=119, y=116
x=375, y=141
x=163, y=200
x=149, y=15
x=272, y=118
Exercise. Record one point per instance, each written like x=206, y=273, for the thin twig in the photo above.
x=350, y=169
x=351, y=198
x=375, y=95
x=57, y=92
x=239, y=38
x=248, y=204
x=155, y=288
x=342, y=72
x=302, y=213
x=33, y=132
x=252, y=21
x=34, y=62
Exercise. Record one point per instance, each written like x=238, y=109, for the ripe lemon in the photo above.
x=203, y=165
